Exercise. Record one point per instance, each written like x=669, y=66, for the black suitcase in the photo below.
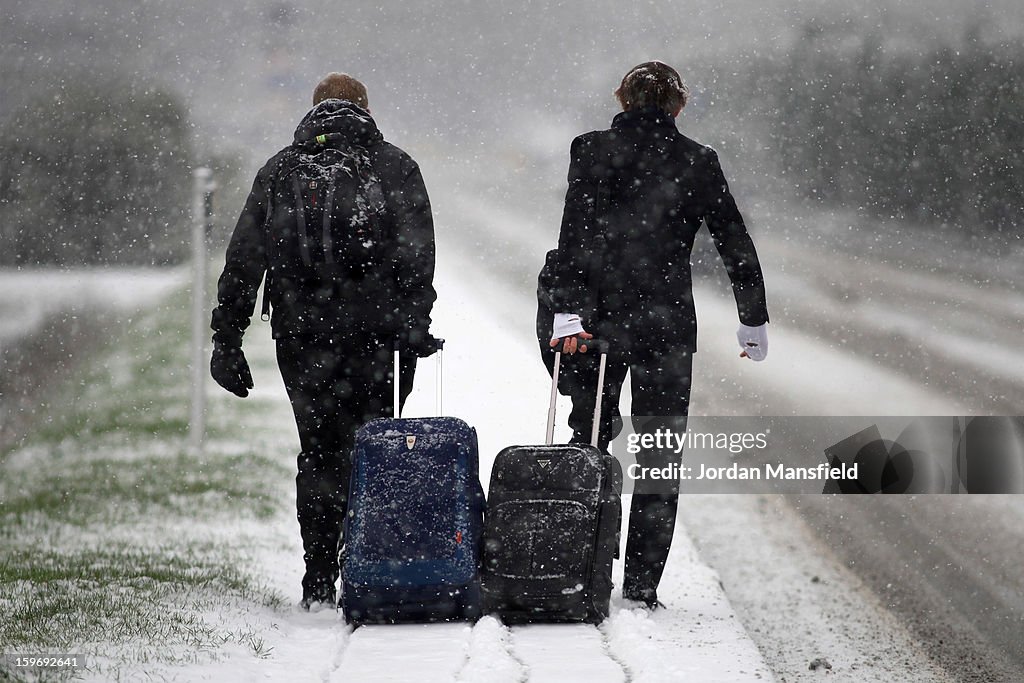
x=552, y=527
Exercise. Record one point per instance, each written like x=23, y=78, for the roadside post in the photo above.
x=202, y=220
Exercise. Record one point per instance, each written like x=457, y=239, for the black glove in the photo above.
x=230, y=369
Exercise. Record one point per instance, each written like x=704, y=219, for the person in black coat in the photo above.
x=638, y=193
x=333, y=328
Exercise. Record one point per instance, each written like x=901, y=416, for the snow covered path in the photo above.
x=503, y=394
x=432, y=653
x=573, y=653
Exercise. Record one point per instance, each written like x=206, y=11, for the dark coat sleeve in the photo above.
x=735, y=247
x=244, y=266
x=414, y=251
x=576, y=237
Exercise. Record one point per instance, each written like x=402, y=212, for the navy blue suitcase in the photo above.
x=411, y=542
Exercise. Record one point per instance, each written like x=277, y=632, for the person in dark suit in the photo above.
x=638, y=193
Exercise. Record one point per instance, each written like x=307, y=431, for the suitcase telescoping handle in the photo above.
x=592, y=344
x=439, y=350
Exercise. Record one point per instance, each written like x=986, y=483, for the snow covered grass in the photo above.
x=118, y=544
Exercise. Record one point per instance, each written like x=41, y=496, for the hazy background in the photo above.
x=874, y=149
x=812, y=99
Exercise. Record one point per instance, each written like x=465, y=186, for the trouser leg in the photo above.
x=334, y=387
x=320, y=508
x=661, y=389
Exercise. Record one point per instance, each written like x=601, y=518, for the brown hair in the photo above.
x=342, y=87
x=652, y=84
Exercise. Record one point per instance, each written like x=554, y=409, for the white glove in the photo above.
x=753, y=341
x=566, y=325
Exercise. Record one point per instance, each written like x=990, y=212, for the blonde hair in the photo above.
x=652, y=84
x=340, y=86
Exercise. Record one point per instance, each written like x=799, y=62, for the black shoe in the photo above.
x=318, y=599
x=647, y=597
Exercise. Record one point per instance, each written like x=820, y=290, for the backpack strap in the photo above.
x=300, y=217
x=268, y=219
x=379, y=208
x=328, y=245
x=265, y=309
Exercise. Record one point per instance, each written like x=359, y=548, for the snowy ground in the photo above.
x=698, y=639
x=263, y=636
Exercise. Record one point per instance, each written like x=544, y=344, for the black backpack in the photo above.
x=325, y=216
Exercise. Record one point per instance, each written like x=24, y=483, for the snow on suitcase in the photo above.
x=411, y=542
x=552, y=527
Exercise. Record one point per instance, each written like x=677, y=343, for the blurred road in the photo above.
x=932, y=319
x=948, y=566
